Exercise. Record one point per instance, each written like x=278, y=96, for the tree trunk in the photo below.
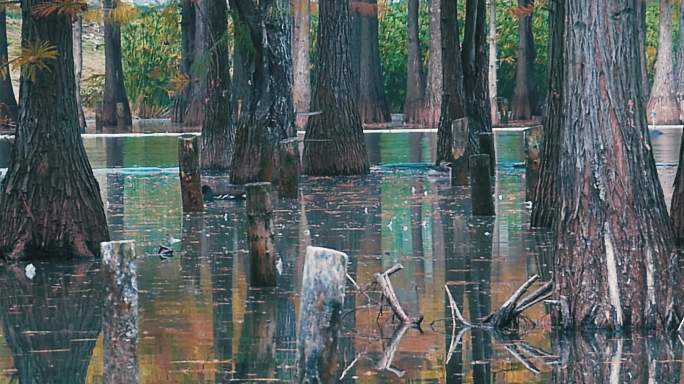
x=50, y=200
x=197, y=88
x=243, y=66
x=524, y=99
x=188, y=25
x=114, y=90
x=679, y=72
x=301, y=52
x=546, y=195
x=493, y=64
x=452, y=98
x=415, y=82
x=662, y=107
x=641, y=17
x=269, y=117
x=612, y=223
x=475, y=74
x=334, y=142
x=9, y=111
x=373, y=107
x=218, y=135
x=432, y=104
x=78, y=67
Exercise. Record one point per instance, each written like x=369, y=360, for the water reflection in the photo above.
x=200, y=322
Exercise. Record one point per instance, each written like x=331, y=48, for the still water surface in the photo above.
x=201, y=323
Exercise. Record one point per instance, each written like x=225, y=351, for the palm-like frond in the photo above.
x=178, y=83
x=35, y=57
x=121, y=14
x=69, y=8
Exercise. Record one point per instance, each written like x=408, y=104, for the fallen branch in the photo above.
x=388, y=292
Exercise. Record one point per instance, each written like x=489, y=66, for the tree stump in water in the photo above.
x=322, y=297
x=288, y=182
x=262, y=254
x=120, y=317
x=459, y=164
x=481, y=186
x=189, y=171
x=487, y=147
x=533, y=141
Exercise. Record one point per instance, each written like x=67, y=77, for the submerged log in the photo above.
x=533, y=141
x=459, y=164
x=322, y=297
x=481, y=186
x=262, y=254
x=120, y=319
x=288, y=164
x=189, y=170
x=487, y=147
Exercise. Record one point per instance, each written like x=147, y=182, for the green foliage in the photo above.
x=92, y=91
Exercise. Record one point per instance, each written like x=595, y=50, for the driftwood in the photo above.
x=262, y=253
x=481, y=186
x=189, y=172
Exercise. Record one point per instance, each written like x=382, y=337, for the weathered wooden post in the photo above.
x=322, y=297
x=487, y=148
x=189, y=171
x=481, y=186
x=120, y=317
x=533, y=139
x=459, y=166
x=288, y=162
x=262, y=254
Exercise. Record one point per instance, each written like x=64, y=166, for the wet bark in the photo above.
x=188, y=26
x=432, y=104
x=373, y=106
x=662, y=102
x=116, y=111
x=50, y=200
x=334, y=142
x=493, y=64
x=524, y=98
x=78, y=67
x=301, y=52
x=10, y=110
x=546, y=195
x=452, y=99
x=269, y=117
x=475, y=74
x=218, y=135
x=415, y=81
x=612, y=222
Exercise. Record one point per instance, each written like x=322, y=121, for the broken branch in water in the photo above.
x=388, y=292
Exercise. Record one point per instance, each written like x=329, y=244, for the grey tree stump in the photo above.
x=262, y=254
x=322, y=298
x=481, y=186
x=120, y=315
x=189, y=172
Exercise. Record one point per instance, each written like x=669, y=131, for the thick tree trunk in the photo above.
x=415, y=82
x=432, y=104
x=334, y=142
x=452, y=98
x=218, y=134
x=493, y=64
x=524, y=99
x=243, y=66
x=269, y=117
x=301, y=52
x=9, y=111
x=679, y=72
x=188, y=25
x=612, y=223
x=197, y=88
x=373, y=106
x=78, y=67
x=662, y=106
x=475, y=74
x=116, y=112
x=546, y=195
x=50, y=202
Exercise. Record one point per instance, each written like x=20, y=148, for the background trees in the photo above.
x=524, y=100
x=662, y=106
x=116, y=110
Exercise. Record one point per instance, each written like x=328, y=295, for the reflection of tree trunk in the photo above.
x=256, y=357
x=524, y=100
x=115, y=188
x=662, y=102
x=191, y=237
x=51, y=323
x=415, y=82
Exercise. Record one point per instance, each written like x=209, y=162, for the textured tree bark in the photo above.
x=615, y=262
x=475, y=74
x=679, y=71
x=189, y=172
x=188, y=25
x=452, y=98
x=218, y=134
x=78, y=67
x=546, y=195
x=50, y=202
x=197, y=87
x=262, y=254
x=269, y=117
x=415, y=81
x=524, y=98
x=334, y=142
x=114, y=89
x=243, y=66
x=373, y=106
x=9, y=111
x=641, y=17
x=432, y=104
x=493, y=64
x=120, y=320
x=301, y=52
x=662, y=102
